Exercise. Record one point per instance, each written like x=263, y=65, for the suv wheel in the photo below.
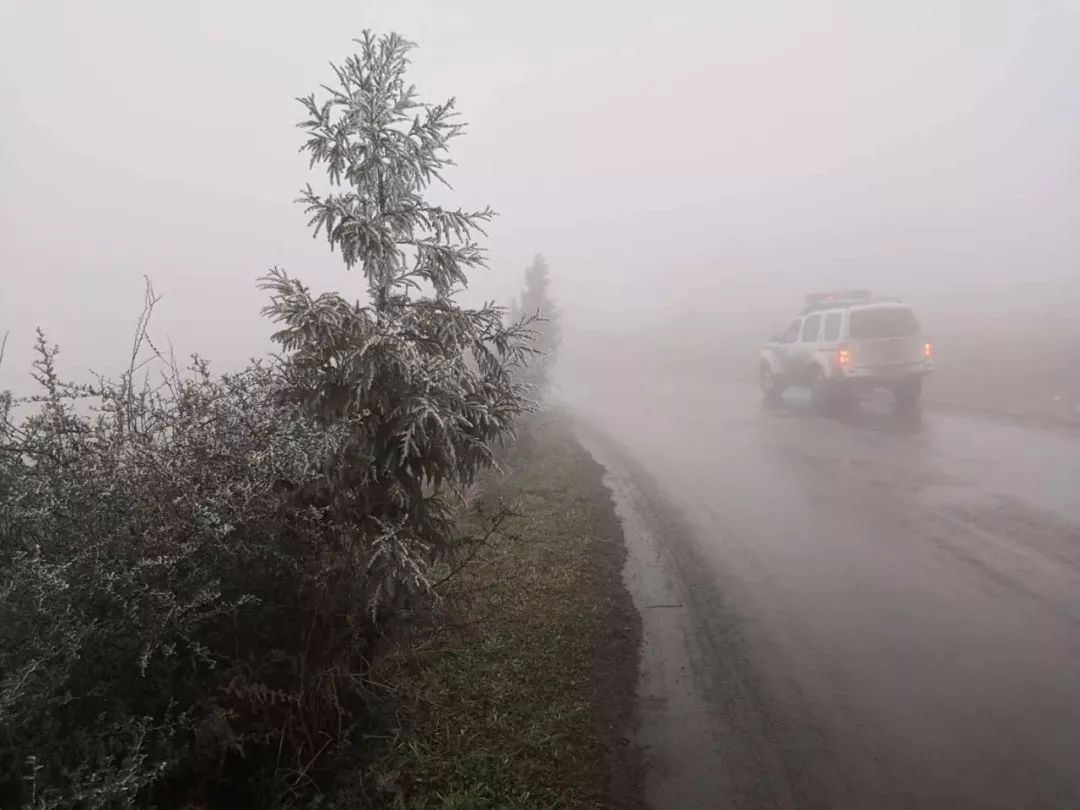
x=908, y=393
x=820, y=391
x=772, y=388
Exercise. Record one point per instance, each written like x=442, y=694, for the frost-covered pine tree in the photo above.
x=427, y=386
x=536, y=308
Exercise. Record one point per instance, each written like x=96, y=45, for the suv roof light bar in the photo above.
x=841, y=295
x=815, y=302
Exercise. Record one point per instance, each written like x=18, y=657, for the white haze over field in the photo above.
x=680, y=164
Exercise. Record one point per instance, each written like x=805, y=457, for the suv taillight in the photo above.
x=928, y=351
x=843, y=356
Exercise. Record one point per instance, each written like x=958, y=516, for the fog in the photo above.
x=685, y=167
x=787, y=573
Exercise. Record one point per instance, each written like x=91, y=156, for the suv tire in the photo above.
x=822, y=393
x=908, y=393
x=772, y=387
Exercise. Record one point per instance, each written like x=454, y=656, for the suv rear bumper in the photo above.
x=885, y=374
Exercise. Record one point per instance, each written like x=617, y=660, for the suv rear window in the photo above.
x=889, y=322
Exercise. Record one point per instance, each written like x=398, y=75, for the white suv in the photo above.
x=845, y=342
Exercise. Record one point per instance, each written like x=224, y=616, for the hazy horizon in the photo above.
x=672, y=163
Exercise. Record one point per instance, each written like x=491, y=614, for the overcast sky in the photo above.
x=664, y=156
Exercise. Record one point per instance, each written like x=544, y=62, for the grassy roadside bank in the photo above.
x=523, y=697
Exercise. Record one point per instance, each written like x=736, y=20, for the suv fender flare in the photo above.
x=771, y=358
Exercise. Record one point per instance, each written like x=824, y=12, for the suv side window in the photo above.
x=792, y=333
x=832, y=325
x=810, y=329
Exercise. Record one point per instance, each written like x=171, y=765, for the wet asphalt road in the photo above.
x=848, y=612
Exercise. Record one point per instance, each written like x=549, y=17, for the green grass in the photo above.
x=502, y=705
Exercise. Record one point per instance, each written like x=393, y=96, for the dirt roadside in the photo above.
x=617, y=662
x=709, y=735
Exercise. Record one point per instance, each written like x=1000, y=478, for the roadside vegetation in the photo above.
x=518, y=695
x=536, y=307
x=269, y=588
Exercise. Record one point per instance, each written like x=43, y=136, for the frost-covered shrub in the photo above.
x=152, y=577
